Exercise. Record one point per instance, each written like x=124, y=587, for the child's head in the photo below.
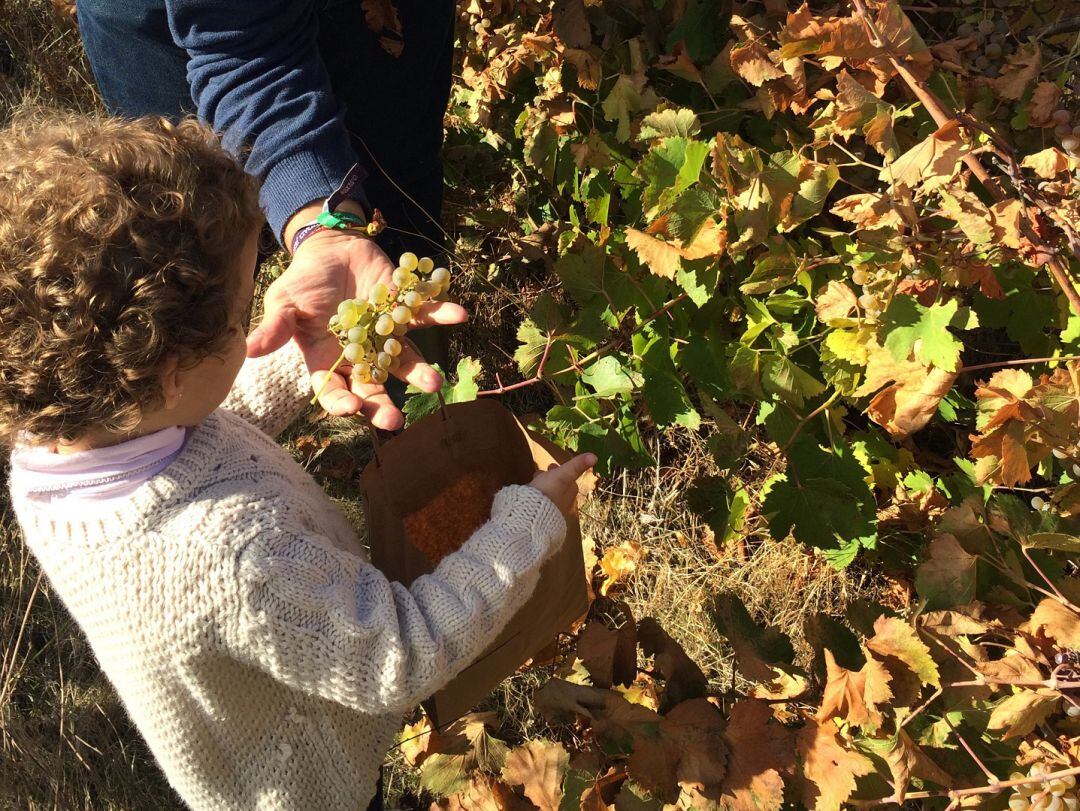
x=127, y=253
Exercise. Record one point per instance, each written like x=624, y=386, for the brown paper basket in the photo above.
x=428, y=489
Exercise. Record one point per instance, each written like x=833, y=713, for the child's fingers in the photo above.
x=570, y=471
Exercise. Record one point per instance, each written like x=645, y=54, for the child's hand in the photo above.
x=560, y=483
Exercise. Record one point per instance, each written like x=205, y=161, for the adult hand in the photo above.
x=328, y=268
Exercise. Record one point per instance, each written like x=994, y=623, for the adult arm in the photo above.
x=256, y=77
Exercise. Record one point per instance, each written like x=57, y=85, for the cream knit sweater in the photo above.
x=265, y=661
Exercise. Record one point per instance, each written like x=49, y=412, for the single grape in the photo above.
x=401, y=314
x=412, y=300
x=1038, y=503
x=966, y=30
x=1076, y=130
x=982, y=62
x=379, y=293
x=357, y=335
x=354, y=353
x=361, y=367
x=993, y=50
x=1053, y=803
x=1070, y=779
x=385, y=325
x=1076, y=471
x=348, y=320
x=384, y=360
x=986, y=27
x=1057, y=787
x=1018, y=802
x=404, y=278
x=1070, y=143
x=425, y=265
x=378, y=375
x=408, y=261
x=427, y=290
x=1063, y=130
x=392, y=347
x=441, y=277
x=345, y=306
x=1061, y=116
x=1073, y=711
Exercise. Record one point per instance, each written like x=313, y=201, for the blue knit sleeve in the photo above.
x=256, y=76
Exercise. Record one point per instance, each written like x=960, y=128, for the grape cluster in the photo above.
x=1067, y=133
x=1058, y=794
x=991, y=41
x=368, y=329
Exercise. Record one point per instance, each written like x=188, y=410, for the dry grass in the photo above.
x=65, y=741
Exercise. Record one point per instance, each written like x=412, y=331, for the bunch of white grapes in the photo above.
x=368, y=329
x=1058, y=794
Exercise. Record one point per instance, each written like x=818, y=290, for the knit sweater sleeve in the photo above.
x=328, y=623
x=271, y=391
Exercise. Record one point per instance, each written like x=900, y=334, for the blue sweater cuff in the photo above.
x=302, y=178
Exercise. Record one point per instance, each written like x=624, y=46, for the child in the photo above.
x=267, y=664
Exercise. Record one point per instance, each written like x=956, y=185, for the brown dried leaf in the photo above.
x=609, y=656
x=1044, y=100
x=1056, y=621
x=855, y=696
x=485, y=793
x=538, y=767
x=895, y=638
x=1020, y=70
x=751, y=61
x=930, y=163
x=1048, y=163
x=587, y=66
x=761, y=754
x=836, y=301
x=571, y=25
x=696, y=730
x=684, y=679
x=876, y=211
x=1020, y=713
x=618, y=563
x=828, y=768
x=663, y=258
x=381, y=17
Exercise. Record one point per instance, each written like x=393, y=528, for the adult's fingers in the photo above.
x=277, y=326
x=412, y=368
x=439, y=312
x=334, y=394
x=378, y=407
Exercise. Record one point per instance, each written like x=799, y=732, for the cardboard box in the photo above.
x=429, y=488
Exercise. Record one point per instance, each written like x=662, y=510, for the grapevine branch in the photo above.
x=942, y=116
x=596, y=354
x=955, y=794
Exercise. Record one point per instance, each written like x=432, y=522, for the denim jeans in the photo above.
x=394, y=106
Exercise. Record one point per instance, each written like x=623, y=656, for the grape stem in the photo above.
x=995, y=788
x=326, y=379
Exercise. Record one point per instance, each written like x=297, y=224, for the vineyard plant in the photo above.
x=847, y=233
x=823, y=260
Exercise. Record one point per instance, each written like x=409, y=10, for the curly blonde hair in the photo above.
x=118, y=248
